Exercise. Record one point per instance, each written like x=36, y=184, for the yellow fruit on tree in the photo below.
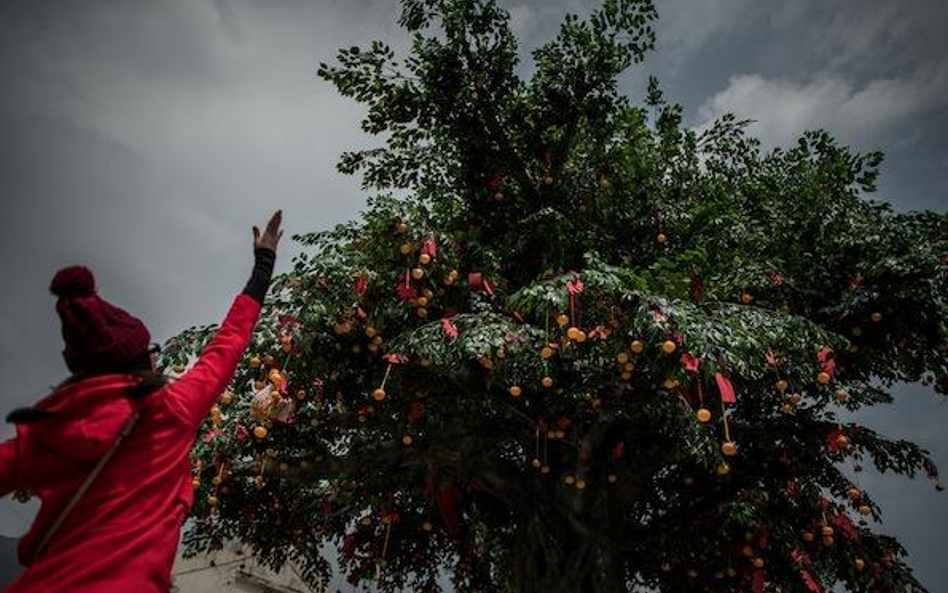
x=260, y=432
x=823, y=377
x=547, y=381
x=637, y=347
x=729, y=448
x=668, y=346
x=378, y=394
x=515, y=390
x=703, y=415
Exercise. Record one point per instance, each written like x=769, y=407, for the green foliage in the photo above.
x=481, y=415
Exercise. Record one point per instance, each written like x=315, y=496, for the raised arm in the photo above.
x=192, y=396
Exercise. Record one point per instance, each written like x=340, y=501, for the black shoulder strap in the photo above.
x=126, y=430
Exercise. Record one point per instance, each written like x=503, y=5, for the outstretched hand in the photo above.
x=271, y=236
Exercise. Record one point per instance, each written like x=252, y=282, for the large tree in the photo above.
x=572, y=345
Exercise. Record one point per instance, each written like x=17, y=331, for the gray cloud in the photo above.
x=782, y=108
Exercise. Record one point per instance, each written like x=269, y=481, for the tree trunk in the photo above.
x=551, y=557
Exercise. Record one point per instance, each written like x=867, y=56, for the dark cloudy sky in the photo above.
x=145, y=138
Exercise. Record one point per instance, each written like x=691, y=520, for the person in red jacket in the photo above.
x=122, y=533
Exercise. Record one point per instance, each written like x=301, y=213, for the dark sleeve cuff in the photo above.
x=262, y=272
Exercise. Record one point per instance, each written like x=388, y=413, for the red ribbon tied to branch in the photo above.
x=405, y=290
x=573, y=287
x=496, y=180
x=475, y=280
x=827, y=359
x=361, y=283
x=811, y=583
x=690, y=362
x=449, y=328
x=727, y=390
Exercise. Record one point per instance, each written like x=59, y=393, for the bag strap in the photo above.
x=126, y=430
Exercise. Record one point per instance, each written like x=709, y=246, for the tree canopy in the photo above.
x=573, y=345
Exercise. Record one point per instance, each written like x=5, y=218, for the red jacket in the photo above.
x=123, y=534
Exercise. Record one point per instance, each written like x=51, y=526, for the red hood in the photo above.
x=88, y=417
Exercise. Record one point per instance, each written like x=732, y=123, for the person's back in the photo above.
x=122, y=533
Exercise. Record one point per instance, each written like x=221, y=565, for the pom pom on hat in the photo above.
x=74, y=281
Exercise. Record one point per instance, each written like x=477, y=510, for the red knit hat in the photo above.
x=99, y=336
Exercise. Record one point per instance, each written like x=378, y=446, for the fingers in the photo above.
x=271, y=236
x=273, y=227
